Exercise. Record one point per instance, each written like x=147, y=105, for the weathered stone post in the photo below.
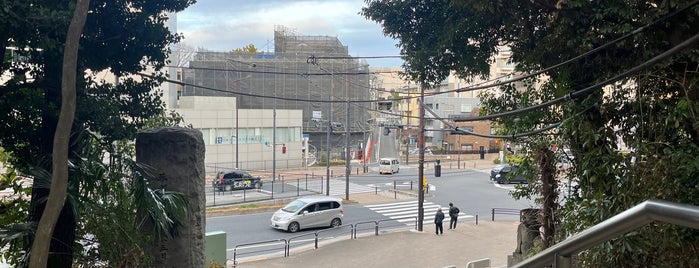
x=178, y=155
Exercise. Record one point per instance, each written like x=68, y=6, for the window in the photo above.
x=324, y=206
x=310, y=208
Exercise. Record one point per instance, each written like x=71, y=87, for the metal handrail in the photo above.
x=269, y=242
x=560, y=254
x=287, y=248
x=351, y=226
x=505, y=211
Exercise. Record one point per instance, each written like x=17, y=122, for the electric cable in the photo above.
x=586, y=91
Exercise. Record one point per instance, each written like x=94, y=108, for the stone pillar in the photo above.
x=177, y=154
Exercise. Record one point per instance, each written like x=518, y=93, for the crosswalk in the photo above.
x=337, y=187
x=405, y=212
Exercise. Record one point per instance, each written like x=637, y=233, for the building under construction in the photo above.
x=314, y=74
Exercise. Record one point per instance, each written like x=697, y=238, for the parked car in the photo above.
x=416, y=151
x=236, y=180
x=508, y=174
x=309, y=212
x=496, y=169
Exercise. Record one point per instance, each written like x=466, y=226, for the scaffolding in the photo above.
x=286, y=80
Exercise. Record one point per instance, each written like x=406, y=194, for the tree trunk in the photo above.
x=59, y=179
x=549, y=192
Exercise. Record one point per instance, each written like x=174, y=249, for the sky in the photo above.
x=223, y=25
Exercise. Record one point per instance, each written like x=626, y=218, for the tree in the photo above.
x=121, y=38
x=248, y=48
x=59, y=178
x=651, y=112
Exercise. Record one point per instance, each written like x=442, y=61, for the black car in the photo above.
x=496, y=169
x=236, y=180
x=508, y=174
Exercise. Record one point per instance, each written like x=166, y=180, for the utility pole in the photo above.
x=421, y=165
x=274, y=139
x=347, y=151
x=327, y=160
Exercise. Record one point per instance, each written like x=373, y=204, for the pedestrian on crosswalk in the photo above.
x=453, y=216
x=438, y=218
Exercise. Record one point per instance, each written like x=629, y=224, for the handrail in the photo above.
x=351, y=226
x=235, y=249
x=560, y=254
x=287, y=248
x=505, y=211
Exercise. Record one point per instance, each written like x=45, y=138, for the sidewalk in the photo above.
x=455, y=248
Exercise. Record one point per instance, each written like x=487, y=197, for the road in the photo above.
x=470, y=190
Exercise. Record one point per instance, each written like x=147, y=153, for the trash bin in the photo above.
x=482, y=152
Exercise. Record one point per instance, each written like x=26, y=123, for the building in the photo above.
x=311, y=74
x=244, y=138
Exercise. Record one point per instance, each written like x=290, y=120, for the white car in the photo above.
x=389, y=165
x=309, y=212
x=415, y=151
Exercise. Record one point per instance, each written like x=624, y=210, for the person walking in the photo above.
x=453, y=216
x=438, y=218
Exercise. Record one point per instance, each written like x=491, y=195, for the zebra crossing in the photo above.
x=404, y=212
x=337, y=187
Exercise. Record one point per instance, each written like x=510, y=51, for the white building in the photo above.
x=244, y=138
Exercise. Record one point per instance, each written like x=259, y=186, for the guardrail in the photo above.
x=288, y=242
x=505, y=211
x=261, y=243
x=377, y=224
x=561, y=254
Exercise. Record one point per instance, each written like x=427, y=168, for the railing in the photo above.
x=261, y=244
x=505, y=211
x=287, y=243
x=560, y=255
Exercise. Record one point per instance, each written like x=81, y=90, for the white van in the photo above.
x=389, y=165
x=309, y=212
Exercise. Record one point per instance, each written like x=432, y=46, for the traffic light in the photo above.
x=437, y=169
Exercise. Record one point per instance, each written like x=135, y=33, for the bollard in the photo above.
x=297, y=187
x=306, y=183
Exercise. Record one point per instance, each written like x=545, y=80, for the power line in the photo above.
x=590, y=89
x=595, y=50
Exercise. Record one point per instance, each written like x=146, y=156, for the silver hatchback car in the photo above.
x=309, y=212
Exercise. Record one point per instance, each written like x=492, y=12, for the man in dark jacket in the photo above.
x=453, y=216
x=438, y=218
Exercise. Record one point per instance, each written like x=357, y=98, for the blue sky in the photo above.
x=222, y=25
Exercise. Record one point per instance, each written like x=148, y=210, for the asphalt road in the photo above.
x=470, y=190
